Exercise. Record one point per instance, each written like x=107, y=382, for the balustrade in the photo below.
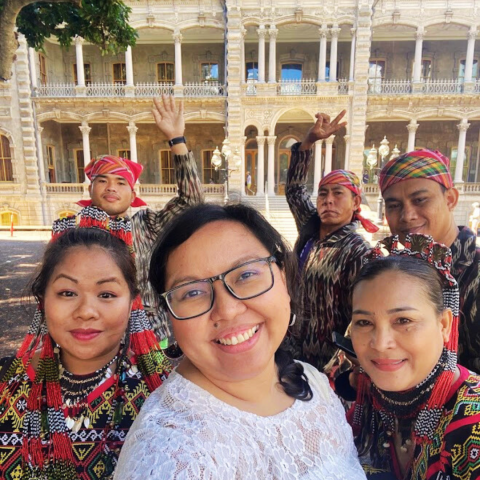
x=75, y=188
x=297, y=87
x=204, y=89
x=343, y=86
x=55, y=90
x=153, y=89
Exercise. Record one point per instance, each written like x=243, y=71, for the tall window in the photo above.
x=124, y=154
x=79, y=164
x=291, y=71
x=251, y=71
x=43, y=69
x=461, y=70
x=327, y=69
x=88, y=73
x=426, y=72
x=210, y=175
x=376, y=74
x=166, y=166
x=52, y=178
x=165, y=72
x=210, y=72
x=284, y=155
x=251, y=161
x=6, y=218
x=6, y=172
x=119, y=73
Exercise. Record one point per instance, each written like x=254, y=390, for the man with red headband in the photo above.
x=329, y=249
x=113, y=190
x=420, y=198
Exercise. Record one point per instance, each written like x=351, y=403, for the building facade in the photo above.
x=255, y=72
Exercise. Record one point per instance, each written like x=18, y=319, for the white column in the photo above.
x=85, y=129
x=462, y=136
x=132, y=130
x=261, y=165
x=322, y=60
x=243, y=75
x=261, y=53
x=79, y=59
x=412, y=128
x=353, y=31
x=335, y=31
x=243, y=140
x=177, y=37
x=418, y=54
x=33, y=67
x=472, y=34
x=272, y=60
x=317, y=166
x=347, y=151
x=271, y=165
x=129, y=66
x=328, y=154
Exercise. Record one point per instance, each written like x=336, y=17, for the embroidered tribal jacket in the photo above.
x=90, y=461
x=454, y=453
x=466, y=270
x=146, y=226
x=327, y=274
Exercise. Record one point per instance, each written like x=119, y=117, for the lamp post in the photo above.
x=228, y=156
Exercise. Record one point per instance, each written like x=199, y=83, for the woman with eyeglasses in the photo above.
x=237, y=406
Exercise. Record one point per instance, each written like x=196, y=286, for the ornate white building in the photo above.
x=256, y=71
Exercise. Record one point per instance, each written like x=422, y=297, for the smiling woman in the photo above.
x=237, y=406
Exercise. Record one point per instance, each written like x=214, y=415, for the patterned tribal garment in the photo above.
x=327, y=274
x=90, y=461
x=466, y=270
x=146, y=226
x=454, y=453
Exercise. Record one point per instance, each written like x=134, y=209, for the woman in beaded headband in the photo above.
x=417, y=411
x=76, y=384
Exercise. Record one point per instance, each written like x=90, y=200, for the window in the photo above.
x=426, y=72
x=466, y=162
x=327, y=69
x=283, y=162
x=79, y=164
x=119, y=73
x=6, y=172
x=292, y=71
x=51, y=164
x=124, y=154
x=88, y=73
x=210, y=72
x=461, y=70
x=166, y=167
x=43, y=69
x=251, y=160
x=251, y=71
x=165, y=72
x=6, y=219
x=210, y=175
x=376, y=74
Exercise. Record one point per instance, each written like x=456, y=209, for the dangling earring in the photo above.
x=293, y=318
x=173, y=351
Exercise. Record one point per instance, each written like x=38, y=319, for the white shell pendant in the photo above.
x=69, y=422
x=86, y=422
x=77, y=425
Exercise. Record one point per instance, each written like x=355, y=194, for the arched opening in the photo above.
x=7, y=217
x=6, y=171
x=284, y=156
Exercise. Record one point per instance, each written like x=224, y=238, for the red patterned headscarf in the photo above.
x=349, y=180
x=110, y=165
x=428, y=164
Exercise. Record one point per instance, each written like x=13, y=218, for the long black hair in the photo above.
x=291, y=374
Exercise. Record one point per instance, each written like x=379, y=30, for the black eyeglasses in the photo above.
x=246, y=281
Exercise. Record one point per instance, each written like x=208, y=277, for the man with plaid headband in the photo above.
x=113, y=190
x=329, y=249
x=420, y=198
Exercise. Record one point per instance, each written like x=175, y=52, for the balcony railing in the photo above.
x=153, y=89
x=405, y=87
x=443, y=86
x=56, y=90
x=297, y=87
x=390, y=87
x=76, y=188
x=204, y=89
x=477, y=86
x=343, y=86
x=251, y=87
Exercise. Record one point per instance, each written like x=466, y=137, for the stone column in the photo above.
x=33, y=69
x=317, y=166
x=132, y=130
x=462, y=136
x=418, y=54
x=322, y=60
x=335, y=31
x=243, y=75
x=353, y=32
x=261, y=53
x=272, y=61
x=261, y=165
x=129, y=87
x=177, y=37
x=412, y=128
x=79, y=59
x=271, y=165
x=328, y=154
x=468, y=81
x=347, y=151
x=85, y=129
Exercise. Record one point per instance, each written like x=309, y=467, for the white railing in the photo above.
x=477, y=86
x=153, y=89
x=297, y=87
x=65, y=188
x=154, y=189
x=105, y=90
x=203, y=89
x=251, y=87
x=214, y=189
x=343, y=86
x=370, y=188
x=390, y=87
x=471, y=187
x=55, y=90
x=443, y=86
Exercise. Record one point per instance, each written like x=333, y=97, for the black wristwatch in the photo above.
x=176, y=141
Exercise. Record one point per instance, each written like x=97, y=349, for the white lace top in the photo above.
x=185, y=433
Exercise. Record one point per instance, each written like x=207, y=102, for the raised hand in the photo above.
x=168, y=119
x=323, y=128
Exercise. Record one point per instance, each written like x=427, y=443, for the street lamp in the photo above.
x=228, y=157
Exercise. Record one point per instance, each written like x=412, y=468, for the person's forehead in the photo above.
x=332, y=186
x=411, y=187
x=110, y=176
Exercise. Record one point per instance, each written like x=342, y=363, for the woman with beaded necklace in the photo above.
x=86, y=366
x=417, y=413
